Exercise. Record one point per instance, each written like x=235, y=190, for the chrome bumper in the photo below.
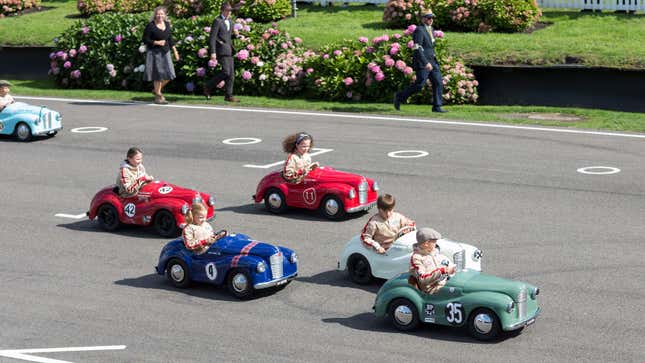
x=48, y=131
x=276, y=282
x=528, y=321
x=361, y=207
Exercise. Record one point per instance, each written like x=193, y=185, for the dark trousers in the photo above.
x=227, y=75
x=422, y=77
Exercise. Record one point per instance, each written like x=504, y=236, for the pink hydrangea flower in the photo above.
x=82, y=49
x=410, y=29
x=348, y=81
x=201, y=72
x=75, y=74
x=325, y=56
x=67, y=65
x=396, y=36
x=52, y=55
x=85, y=30
x=207, y=29
x=112, y=73
x=202, y=53
x=408, y=71
x=379, y=77
x=363, y=39
x=212, y=63
x=310, y=70
x=394, y=50
x=389, y=62
x=72, y=53
x=369, y=50
x=410, y=44
x=109, y=67
x=118, y=38
x=250, y=46
x=337, y=52
x=246, y=75
x=297, y=40
x=437, y=34
x=243, y=54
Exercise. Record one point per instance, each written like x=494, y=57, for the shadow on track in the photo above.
x=291, y=213
x=124, y=230
x=340, y=279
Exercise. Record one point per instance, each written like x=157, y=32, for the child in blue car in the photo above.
x=198, y=234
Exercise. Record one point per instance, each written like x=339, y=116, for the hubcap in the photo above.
x=275, y=201
x=240, y=283
x=483, y=323
x=331, y=207
x=177, y=273
x=23, y=131
x=403, y=315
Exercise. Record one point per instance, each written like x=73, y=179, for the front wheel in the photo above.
x=359, y=270
x=108, y=217
x=274, y=201
x=23, y=132
x=240, y=284
x=404, y=314
x=333, y=208
x=483, y=324
x=165, y=224
x=177, y=273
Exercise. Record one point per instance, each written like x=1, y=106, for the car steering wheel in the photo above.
x=404, y=230
x=221, y=234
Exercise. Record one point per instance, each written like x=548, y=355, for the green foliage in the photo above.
x=15, y=7
x=401, y=13
x=265, y=11
x=187, y=8
x=88, y=7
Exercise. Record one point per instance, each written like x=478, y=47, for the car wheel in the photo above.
x=483, y=324
x=333, y=208
x=404, y=314
x=108, y=217
x=23, y=132
x=359, y=269
x=274, y=201
x=165, y=224
x=240, y=284
x=177, y=273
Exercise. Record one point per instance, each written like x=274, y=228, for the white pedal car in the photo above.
x=364, y=264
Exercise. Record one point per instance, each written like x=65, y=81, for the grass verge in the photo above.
x=41, y=27
x=590, y=119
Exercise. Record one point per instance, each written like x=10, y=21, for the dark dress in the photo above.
x=159, y=65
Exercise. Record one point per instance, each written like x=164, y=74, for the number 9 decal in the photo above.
x=211, y=271
x=454, y=313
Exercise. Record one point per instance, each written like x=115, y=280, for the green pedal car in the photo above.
x=487, y=305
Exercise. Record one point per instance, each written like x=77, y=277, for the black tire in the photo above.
x=359, y=269
x=108, y=217
x=491, y=326
x=177, y=273
x=239, y=283
x=274, y=201
x=333, y=208
x=165, y=224
x=22, y=132
x=403, y=314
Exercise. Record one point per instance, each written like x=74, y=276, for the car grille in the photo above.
x=276, y=265
x=459, y=259
x=47, y=120
x=521, y=303
x=362, y=191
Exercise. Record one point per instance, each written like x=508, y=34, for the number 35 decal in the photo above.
x=454, y=313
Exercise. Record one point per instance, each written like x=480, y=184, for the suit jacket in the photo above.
x=220, y=38
x=424, y=52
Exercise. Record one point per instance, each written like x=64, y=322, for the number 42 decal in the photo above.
x=454, y=313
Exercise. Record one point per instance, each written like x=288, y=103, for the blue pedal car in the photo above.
x=25, y=121
x=243, y=264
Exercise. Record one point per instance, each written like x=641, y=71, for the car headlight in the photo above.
x=197, y=199
x=184, y=209
x=375, y=187
x=510, y=306
x=477, y=255
x=261, y=267
x=211, y=201
x=351, y=194
x=294, y=258
x=535, y=292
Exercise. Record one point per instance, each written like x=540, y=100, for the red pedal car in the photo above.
x=334, y=192
x=161, y=204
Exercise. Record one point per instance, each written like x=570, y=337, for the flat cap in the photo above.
x=424, y=234
x=4, y=83
x=427, y=14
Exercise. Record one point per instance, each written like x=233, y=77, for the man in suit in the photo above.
x=424, y=62
x=221, y=50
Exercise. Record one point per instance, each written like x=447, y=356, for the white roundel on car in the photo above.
x=130, y=209
x=211, y=271
x=165, y=189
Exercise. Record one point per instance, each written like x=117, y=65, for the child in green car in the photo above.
x=427, y=265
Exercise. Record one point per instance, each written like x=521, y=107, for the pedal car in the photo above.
x=236, y=260
x=486, y=304
x=363, y=264
x=334, y=192
x=24, y=121
x=159, y=203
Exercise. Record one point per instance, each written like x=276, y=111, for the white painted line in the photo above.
x=25, y=354
x=361, y=117
x=402, y=154
x=72, y=216
x=89, y=129
x=242, y=141
x=598, y=170
x=317, y=151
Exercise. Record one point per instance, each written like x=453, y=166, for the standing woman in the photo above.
x=158, y=39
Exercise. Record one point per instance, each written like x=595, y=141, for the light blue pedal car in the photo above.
x=25, y=121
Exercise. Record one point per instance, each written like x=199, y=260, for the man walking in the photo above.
x=221, y=50
x=424, y=62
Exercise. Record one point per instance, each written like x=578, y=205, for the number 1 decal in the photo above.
x=454, y=313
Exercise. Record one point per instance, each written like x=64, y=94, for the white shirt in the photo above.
x=228, y=23
x=5, y=100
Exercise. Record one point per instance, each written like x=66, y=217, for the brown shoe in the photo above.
x=231, y=99
x=160, y=100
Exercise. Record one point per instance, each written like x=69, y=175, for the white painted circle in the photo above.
x=242, y=141
x=211, y=271
x=89, y=129
x=130, y=210
x=407, y=154
x=598, y=170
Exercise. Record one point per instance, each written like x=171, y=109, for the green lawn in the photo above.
x=591, y=119
x=39, y=28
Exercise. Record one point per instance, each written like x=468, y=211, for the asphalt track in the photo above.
x=514, y=193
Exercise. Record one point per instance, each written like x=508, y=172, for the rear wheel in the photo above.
x=483, y=324
x=177, y=273
x=240, y=284
x=275, y=201
x=403, y=314
x=359, y=269
x=23, y=132
x=108, y=217
x=165, y=224
x=333, y=208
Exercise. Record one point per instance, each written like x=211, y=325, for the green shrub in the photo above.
x=265, y=11
x=186, y=8
x=15, y=7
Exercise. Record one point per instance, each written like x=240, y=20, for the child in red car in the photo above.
x=298, y=163
x=132, y=174
x=198, y=235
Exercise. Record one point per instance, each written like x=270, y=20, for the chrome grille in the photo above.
x=362, y=191
x=521, y=303
x=460, y=259
x=276, y=265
